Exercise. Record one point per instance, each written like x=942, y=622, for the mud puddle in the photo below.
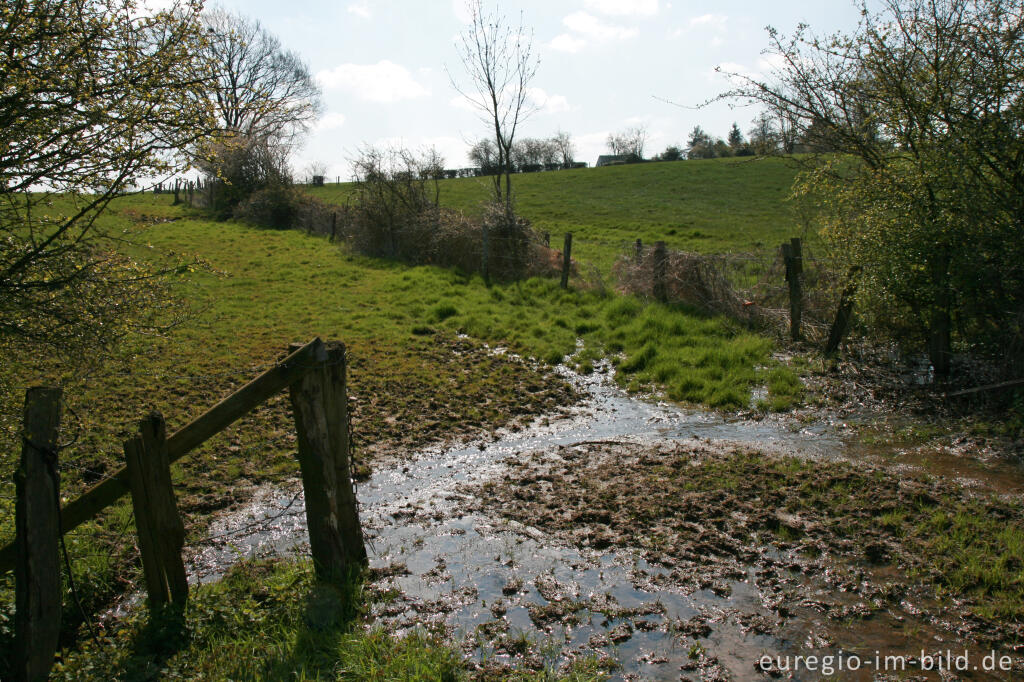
x=273, y=521
x=516, y=596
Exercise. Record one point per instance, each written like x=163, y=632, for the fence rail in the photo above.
x=313, y=373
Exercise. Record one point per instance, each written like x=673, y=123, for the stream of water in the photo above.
x=491, y=583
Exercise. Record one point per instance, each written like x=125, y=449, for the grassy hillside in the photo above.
x=413, y=378
x=419, y=370
x=711, y=206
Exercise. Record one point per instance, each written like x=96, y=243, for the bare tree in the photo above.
x=764, y=134
x=499, y=61
x=261, y=89
x=485, y=155
x=629, y=142
x=314, y=169
x=566, y=148
x=616, y=144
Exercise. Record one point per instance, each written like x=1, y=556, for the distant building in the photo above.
x=613, y=159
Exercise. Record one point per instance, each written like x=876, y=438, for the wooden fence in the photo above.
x=314, y=374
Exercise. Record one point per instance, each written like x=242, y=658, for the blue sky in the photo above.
x=605, y=65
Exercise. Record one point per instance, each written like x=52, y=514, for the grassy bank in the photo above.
x=710, y=206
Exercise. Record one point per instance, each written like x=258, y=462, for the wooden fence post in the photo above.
x=660, y=272
x=566, y=260
x=320, y=404
x=793, y=258
x=843, y=314
x=334, y=226
x=161, y=532
x=638, y=251
x=37, y=521
x=485, y=257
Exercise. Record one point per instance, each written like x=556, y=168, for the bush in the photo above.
x=395, y=214
x=275, y=207
x=242, y=166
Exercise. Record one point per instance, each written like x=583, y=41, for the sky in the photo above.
x=386, y=66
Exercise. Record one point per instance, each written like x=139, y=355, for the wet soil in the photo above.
x=815, y=542
x=669, y=544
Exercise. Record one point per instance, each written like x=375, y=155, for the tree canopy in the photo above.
x=95, y=95
x=926, y=97
x=260, y=89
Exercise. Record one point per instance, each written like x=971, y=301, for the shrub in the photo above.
x=276, y=206
x=395, y=214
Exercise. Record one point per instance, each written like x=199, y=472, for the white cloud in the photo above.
x=460, y=102
x=713, y=21
x=770, y=62
x=591, y=27
x=360, y=9
x=548, y=104
x=567, y=43
x=591, y=145
x=384, y=81
x=330, y=121
x=621, y=8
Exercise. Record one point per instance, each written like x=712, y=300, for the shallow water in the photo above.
x=479, y=577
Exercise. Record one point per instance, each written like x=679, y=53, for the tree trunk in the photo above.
x=940, y=327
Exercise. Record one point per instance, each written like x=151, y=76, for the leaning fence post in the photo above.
x=161, y=532
x=660, y=272
x=566, y=260
x=843, y=314
x=37, y=522
x=320, y=405
x=793, y=258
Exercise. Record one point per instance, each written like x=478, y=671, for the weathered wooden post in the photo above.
x=177, y=188
x=161, y=532
x=334, y=226
x=485, y=256
x=566, y=260
x=793, y=258
x=37, y=525
x=638, y=251
x=660, y=289
x=320, y=405
x=843, y=314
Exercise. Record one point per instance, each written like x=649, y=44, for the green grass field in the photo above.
x=710, y=206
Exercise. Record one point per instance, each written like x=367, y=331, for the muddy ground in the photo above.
x=655, y=542
x=830, y=545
